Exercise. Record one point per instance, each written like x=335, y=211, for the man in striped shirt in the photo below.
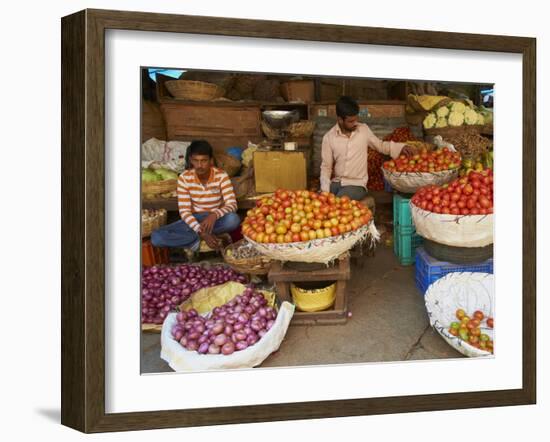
x=206, y=203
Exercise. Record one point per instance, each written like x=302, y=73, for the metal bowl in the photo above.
x=280, y=119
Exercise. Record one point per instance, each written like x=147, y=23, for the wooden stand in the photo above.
x=340, y=272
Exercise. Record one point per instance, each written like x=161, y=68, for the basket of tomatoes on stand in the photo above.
x=308, y=227
x=457, y=214
x=408, y=174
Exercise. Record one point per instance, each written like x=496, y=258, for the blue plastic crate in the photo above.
x=402, y=211
x=429, y=269
x=405, y=243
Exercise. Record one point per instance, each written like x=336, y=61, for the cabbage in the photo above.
x=166, y=174
x=147, y=175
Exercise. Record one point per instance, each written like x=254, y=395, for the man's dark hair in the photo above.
x=346, y=107
x=198, y=147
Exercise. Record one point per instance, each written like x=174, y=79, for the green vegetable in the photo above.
x=166, y=174
x=147, y=175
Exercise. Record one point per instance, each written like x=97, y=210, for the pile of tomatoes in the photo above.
x=468, y=328
x=435, y=161
x=374, y=167
x=295, y=216
x=469, y=195
x=400, y=135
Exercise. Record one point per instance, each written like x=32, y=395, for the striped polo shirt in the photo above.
x=215, y=196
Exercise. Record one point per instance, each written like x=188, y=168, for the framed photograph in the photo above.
x=146, y=96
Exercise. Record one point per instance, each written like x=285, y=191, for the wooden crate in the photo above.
x=222, y=124
x=377, y=109
x=152, y=121
x=279, y=169
x=340, y=272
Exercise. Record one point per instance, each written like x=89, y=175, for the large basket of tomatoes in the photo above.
x=304, y=226
x=458, y=214
x=408, y=174
x=461, y=307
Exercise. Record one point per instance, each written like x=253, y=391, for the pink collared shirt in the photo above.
x=344, y=159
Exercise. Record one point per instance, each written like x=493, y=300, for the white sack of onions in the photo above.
x=242, y=333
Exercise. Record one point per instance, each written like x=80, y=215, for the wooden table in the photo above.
x=339, y=272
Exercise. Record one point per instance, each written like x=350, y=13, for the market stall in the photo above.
x=297, y=258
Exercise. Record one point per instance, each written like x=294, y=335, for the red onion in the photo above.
x=203, y=348
x=213, y=349
x=192, y=345
x=240, y=335
x=238, y=326
x=193, y=334
x=261, y=333
x=228, y=348
x=256, y=326
x=183, y=341
x=218, y=328
x=252, y=339
x=269, y=324
x=220, y=340
x=241, y=345
x=202, y=339
x=228, y=330
x=178, y=335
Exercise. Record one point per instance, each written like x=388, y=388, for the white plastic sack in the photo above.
x=438, y=141
x=181, y=359
x=169, y=154
x=453, y=230
x=410, y=182
x=465, y=290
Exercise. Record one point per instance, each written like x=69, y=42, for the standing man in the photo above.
x=345, y=149
x=206, y=203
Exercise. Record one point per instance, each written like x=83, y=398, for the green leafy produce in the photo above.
x=166, y=174
x=147, y=175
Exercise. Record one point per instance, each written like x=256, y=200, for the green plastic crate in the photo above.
x=402, y=211
x=405, y=242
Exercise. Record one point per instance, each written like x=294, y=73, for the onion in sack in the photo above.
x=215, y=334
x=165, y=287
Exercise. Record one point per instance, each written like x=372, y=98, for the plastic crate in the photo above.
x=405, y=243
x=429, y=269
x=402, y=211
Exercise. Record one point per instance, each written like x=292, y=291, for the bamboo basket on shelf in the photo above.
x=257, y=264
x=154, y=222
x=154, y=189
x=194, y=90
x=301, y=129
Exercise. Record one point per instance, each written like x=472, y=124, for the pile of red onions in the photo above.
x=234, y=326
x=165, y=287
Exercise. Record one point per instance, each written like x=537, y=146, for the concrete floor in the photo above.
x=388, y=323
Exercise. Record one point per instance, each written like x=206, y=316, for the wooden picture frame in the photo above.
x=83, y=220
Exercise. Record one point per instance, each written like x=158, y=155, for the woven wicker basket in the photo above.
x=255, y=265
x=227, y=162
x=300, y=129
x=152, y=223
x=152, y=189
x=194, y=90
x=322, y=251
x=455, y=130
